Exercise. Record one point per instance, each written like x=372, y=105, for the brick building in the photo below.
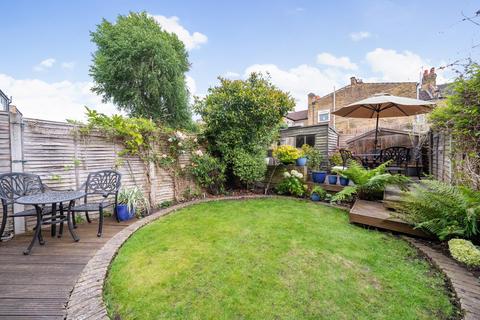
x=318, y=114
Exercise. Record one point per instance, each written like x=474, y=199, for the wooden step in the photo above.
x=375, y=214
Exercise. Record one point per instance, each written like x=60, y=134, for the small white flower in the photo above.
x=179, y=144
x=199, y=153
x=286, y=175
x=170, y=139
x=195, y=140
x=164, y=155
x=180, y=135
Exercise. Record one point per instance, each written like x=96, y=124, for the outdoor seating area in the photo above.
x=57, y=207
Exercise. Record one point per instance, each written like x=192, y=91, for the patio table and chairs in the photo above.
x=48, y=204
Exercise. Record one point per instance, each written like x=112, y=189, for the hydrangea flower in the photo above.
x=286, y=174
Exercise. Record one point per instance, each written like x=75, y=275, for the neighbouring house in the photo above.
x=4, y=101
x=317, y=116
x=297, y=118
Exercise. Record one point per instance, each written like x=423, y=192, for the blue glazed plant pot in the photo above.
x=344, y=181
x=332, y=179
x=301, y=161
x=315, y=197
x=123, y=213
x=319, y=176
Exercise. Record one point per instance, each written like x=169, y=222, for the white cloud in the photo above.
x=172, y=24
x=396, y=66
x=402, y=66
x=361, y=35
x=301, y=80
x=329, y=59
x=53, y=100
x=68, y=65
x=45, y=64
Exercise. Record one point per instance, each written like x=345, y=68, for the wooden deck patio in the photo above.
x=38, y=286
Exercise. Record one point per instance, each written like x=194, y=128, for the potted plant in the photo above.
x=335, y=161
x=318, y=193
x=302, y=160
x=344, y=181
x=131, y=201
x=286, y=154
x=314, y=160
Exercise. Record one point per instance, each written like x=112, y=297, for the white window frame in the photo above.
x=323, y=112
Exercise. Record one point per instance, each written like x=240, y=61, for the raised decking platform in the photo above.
x=371, y=213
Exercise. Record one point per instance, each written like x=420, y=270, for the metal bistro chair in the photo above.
x=400, y=156
x=348, y=156
x=104, y=183
x=15, y=185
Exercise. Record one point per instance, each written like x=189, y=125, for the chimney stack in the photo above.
x=353, y=81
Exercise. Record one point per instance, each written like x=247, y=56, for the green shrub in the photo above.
x=209, y=172
x=249, y=167
x=444, y=210
x=336, y=159
x=165, y=204
x=369, y=184
x=286, y=154
x=292, y=184
x=314, y=157
x=465, y=252
x=320, y=192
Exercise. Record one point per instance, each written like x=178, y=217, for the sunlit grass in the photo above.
x=270, y=259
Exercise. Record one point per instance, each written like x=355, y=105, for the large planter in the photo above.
x=124, y=213
x=319, y=176
x=344, y=181
x=332, y=179
x=315, y=197
x=301, y=161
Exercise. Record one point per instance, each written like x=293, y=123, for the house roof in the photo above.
x=298, y=115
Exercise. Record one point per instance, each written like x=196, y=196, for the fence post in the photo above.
x=16, y=155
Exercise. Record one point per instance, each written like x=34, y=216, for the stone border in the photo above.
x=465, y=285
x=86, y=299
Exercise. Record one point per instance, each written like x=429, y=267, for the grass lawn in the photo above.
x=270, y=259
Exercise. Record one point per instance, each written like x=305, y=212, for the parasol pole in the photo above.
x=376, y=133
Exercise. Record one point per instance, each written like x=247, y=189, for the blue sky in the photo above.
x=305, y=45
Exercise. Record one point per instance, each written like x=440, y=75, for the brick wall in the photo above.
x=355, y=91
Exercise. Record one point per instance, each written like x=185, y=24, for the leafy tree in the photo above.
x=241, y=120
x=141, y=68
x=460, y=118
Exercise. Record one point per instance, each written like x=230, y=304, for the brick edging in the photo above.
x=464, y=284
x=86, y=298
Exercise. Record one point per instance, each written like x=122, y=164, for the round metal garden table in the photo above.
x=51, y=198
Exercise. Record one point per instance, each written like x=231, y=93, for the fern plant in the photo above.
x=369, y=184
x=444, y=210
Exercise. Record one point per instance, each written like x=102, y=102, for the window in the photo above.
x=323, y=116
x=306, y=139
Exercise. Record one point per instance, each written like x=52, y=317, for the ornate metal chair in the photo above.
x=15, y=185
x=348, y=156
x=399, y=157
x=103, y=183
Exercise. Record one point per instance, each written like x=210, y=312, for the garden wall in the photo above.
x=63, y=158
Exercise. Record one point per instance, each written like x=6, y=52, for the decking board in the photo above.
x=372, y=213
x=38, y=286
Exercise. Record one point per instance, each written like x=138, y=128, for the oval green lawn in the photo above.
x=270, y=259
